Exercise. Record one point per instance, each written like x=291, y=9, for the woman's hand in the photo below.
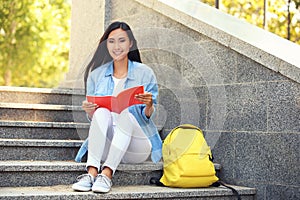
x=89, y=107
x=146, y=98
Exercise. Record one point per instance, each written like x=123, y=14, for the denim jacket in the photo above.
x=100, y=83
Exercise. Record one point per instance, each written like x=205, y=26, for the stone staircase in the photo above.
x=40, y=133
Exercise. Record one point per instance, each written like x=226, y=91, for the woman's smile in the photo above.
x=117, y=52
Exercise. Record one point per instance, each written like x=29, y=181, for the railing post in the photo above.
x=289, y=20
x=265, y=14
x=217, y=4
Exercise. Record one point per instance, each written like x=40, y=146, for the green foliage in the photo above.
x=277, y=15
x=34, y=42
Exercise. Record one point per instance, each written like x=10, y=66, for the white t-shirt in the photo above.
x=119, y=87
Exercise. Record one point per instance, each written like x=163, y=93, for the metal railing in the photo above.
x=265, y=23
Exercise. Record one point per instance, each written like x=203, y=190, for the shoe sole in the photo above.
x=101, y=190
x=81, y=189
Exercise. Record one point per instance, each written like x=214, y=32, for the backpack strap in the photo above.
x=234, y=191
x=188, y=126
x=155, y=181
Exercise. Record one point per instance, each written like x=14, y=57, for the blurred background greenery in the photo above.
x=35, y=34
x=34, y=42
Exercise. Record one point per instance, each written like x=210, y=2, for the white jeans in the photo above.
x=112, y=144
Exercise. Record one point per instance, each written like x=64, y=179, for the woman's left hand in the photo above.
x=146, y=98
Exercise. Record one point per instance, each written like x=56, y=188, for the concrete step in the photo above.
x=43, y=130
x=38, y=149
x=126, y=192
x=16, y=173
x=41, y=112
x=41, y=95
x=46, y=130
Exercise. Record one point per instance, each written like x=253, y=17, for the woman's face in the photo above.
x=118, y=44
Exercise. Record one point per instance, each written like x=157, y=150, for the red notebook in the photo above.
x=118, y=103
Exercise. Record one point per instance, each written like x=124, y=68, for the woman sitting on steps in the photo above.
x=128, y=137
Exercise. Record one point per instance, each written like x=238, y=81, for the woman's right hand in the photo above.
x=89, y=107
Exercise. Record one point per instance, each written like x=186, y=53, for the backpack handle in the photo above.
x=188, y=126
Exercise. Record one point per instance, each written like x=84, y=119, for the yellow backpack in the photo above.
x=187, y=159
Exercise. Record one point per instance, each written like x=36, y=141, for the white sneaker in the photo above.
x=102, y=184
x=84, y=184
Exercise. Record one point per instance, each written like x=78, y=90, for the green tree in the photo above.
x=277, y=15
x=34, y=42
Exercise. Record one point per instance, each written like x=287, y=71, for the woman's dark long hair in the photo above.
x=102, y=56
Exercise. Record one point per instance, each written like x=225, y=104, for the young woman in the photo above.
x=128, y=137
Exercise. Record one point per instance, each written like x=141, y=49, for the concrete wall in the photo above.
x=87, y=24
x=235, y=81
